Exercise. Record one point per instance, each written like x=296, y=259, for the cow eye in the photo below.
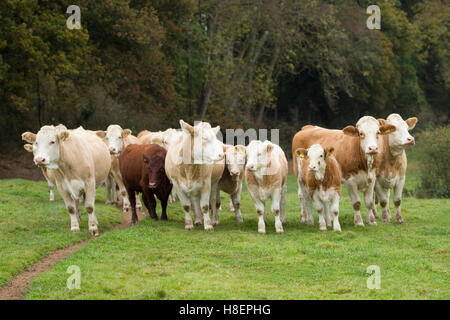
x=52, y=142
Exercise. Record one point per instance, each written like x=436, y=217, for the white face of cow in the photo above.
x=207, y=148
x=170, y=137
x=258, y=155
x=317, y=157
x=47, y=145
x=235, y=160
x=368, y=130
x=114, y=136
x=400, y=139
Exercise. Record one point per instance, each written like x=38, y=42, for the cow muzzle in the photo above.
x=152, y=185
x=410, y=141
x=40, y=161
x=372, y=150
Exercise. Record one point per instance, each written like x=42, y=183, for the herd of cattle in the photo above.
x=193, y=165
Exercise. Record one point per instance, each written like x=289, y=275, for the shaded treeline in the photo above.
x=237, y=63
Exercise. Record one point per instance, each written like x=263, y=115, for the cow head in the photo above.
x=154, y=165
x=235, y=160
x=317, y=157
x=204, y=145
x=258, y=155
x=46, y=146
x=368, y=130
x=400, y=138
x=114, y=136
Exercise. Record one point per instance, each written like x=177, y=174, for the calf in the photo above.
x=266, y=175
x=322, y=176
x=391, y=165
x=78, y=162
x=231, y=180
x=355, y=151
x=117, y=139
x=142, y=170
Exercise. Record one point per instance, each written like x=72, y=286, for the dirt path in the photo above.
x=19, y=284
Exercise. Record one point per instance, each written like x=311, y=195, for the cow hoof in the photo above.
x=94, y=231
x=239, y=219
x=337, y=229
x=209, y=228
x=139, y=208
x=386, y=220
x=323, y=228
x=189, y=227
x=75, y=229
x=198, y=223
x=372, y=223
x=280, y=230
x=399, y=220
x=310, y=222
x=262, y=231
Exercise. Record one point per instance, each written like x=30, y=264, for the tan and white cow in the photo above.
x=194, y=164
x=322, y=176
x=266, y=177
x=391, y=165
x=355, y=148
x=231, y=180
x=79, y=162
x=118, y=139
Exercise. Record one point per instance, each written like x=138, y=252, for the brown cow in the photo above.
x=322, y=176
x=355, y=150
x=142, y=170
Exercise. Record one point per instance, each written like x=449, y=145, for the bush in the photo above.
x=434, y=152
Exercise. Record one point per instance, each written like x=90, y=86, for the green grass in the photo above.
x=31, y=226
x=160, y=260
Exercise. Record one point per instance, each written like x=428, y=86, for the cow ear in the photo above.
x=144, y=157
x=328, y=152
x=100, y=133
x=187, y=127
x=126, y=133
x=387, y=128
x=351, y=131
x=216, y=129
x=28, y=147
x=29, y=137
x=63, y=135
x=269, y=147
x=411, y=122
x=301, y=152
x=382, y=122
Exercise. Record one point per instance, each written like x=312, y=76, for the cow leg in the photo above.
x=320, y=207
x=326, y=213
x=138, y=202
x=195, y=204
x=283, y=203
x=89, y=204
x=356, y=203
x=370, y=204
x=204, y=205
x=398, y=190
x=150, y=203
x=51, y=189
x=186, y=204
x=306, y=204
x=134, y=217
x=164, y=209
x=214, y=195
x=375, y=198
x=173, y=196
x=71, y=207
x=334, y=209
x=383, y=197
x=275, y=207
x=231, y=204
x=236, y=205
x=260, y=208
x=109, y=189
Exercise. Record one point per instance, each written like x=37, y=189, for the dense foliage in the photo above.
x=433, y=147
x=237, y=63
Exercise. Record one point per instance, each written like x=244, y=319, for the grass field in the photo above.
x=160, y=260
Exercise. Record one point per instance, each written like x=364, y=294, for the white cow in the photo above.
x=79, y=162
x=266, y=176
x=194, y=164
x=391, y=165
x=117, y=139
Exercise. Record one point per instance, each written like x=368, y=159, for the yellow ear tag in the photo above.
x=301, y=155
x=388, y=130
x=63, y=138
x=241, y=152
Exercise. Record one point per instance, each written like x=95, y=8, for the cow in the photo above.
x=142, y=170
x=355, y=148
x=391, y=165
x=322, y=176
x=117, y=139
x=266, y=177
x=79, y=162
x=194, y=164
x=231, y=180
